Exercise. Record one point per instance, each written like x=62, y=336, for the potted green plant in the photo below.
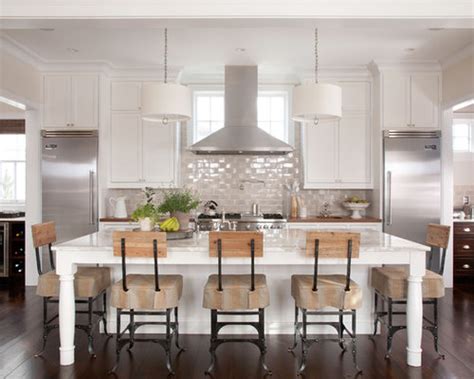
x=147, y=216
x=179, y=204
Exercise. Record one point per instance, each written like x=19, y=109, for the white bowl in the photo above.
x=356, y=208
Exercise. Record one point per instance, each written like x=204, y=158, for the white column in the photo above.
x=415, y=308
x=67, y=308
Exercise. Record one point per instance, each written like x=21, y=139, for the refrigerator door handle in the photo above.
x=91, y=198
x=388, y=220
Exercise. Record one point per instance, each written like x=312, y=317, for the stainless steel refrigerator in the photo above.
x=69, y=182
x=412, y=186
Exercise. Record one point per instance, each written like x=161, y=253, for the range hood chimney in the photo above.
x=241, y=134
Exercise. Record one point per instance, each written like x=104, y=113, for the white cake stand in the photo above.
x=356, y=208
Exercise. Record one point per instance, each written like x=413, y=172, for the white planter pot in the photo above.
x=146, y=225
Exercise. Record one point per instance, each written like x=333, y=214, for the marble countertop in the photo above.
x=280, y=247
x=338, y=219
x=12, y=219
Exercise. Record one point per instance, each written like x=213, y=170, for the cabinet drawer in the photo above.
x=464, y=266
x=465, y=228
x=464, y=246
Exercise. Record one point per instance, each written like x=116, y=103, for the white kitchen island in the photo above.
x=283, y=256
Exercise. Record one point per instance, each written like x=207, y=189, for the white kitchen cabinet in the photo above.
x=125, y=149
x=320, y=158
x=142, y=153
x=70, y=101
x=410, y=100
x=354, y=151
x=126, y=96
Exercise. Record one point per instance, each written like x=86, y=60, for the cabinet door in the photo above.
x=355, y=96
x=125, y=96
x=84, y=101
x=56, y=101
x=320, y=154
x=395, y=100
x=159, y=142
x=424, y=100
x=354, y=151
x=125, y=143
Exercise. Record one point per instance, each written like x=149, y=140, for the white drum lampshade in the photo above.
x=316, y=101
x=166, y=102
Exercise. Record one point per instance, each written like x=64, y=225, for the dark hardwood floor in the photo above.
x=20, y=338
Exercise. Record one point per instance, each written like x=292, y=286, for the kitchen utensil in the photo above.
x=118, y=206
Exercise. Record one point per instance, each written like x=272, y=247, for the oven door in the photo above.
x=3, y=249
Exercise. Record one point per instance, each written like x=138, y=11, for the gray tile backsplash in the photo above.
x=235, y=182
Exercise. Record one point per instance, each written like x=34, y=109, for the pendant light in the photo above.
x=316, y=101
x=166, y=102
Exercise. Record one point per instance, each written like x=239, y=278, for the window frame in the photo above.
x=17, y=202
x=286, y=90
x=470, y=123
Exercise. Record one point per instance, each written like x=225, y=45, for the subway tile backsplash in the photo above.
x=235, y=182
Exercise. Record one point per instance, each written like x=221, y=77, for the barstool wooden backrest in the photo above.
x=332, y=245
x=140, y=244
x=236, y=244
x=43, y=234
x=437, y=236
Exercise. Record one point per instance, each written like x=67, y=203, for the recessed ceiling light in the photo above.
x=240, y=50
x=47, y=29
x=72, y=50
x=435, y=29
x=410, y=49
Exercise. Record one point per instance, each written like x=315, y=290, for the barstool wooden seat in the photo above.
x=390, y=283
x=145, y=295
x=90, y=284
x=313, y=293
x=226, y=294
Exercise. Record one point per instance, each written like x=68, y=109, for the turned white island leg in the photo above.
x=415, y=308
x=67, y=309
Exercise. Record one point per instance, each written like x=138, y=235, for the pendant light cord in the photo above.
x=316, y=55
x=166, y=55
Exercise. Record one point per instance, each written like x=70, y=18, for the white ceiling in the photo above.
x=204, y=44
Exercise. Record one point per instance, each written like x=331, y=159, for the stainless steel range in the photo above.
x=240, y=221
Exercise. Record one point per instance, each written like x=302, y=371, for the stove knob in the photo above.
x=265, y=226
x=247, y=226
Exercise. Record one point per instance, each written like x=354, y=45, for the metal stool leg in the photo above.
x=117, y=343
x=435, y=328
x=104, y=314
x=131, y=341
x=213, y=347
x=354, y=341
x=390, y=328
x=304, y=347
x=181, y=349
x=340, y=331
x=262, y=343
x=295, y=341
x=376, y=314
x=90, y=338
x=168, y=341
x=45, y=326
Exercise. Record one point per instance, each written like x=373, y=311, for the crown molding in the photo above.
x=378, y=66
x=467, y=51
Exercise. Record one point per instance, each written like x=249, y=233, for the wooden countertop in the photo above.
x=114, y=219
x=335, y=219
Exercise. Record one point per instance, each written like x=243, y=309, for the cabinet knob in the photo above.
x=467, y=230
x=466, y=247
x=466, y=266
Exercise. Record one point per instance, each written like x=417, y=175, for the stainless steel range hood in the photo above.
x=240, y=134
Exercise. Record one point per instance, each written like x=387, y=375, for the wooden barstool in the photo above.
x=145, y=295
x=236, y=294
x=391, y=285
x=314, y=292
x=90, y=284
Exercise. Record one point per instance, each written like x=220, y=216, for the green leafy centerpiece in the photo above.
x=147, y=215
x=179, y=203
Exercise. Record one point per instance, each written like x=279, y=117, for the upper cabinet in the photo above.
x=142, y=153
x=410, y=100
x=337, y=153
x=70, y=101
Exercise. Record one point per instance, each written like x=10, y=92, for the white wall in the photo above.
x=458, y=81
